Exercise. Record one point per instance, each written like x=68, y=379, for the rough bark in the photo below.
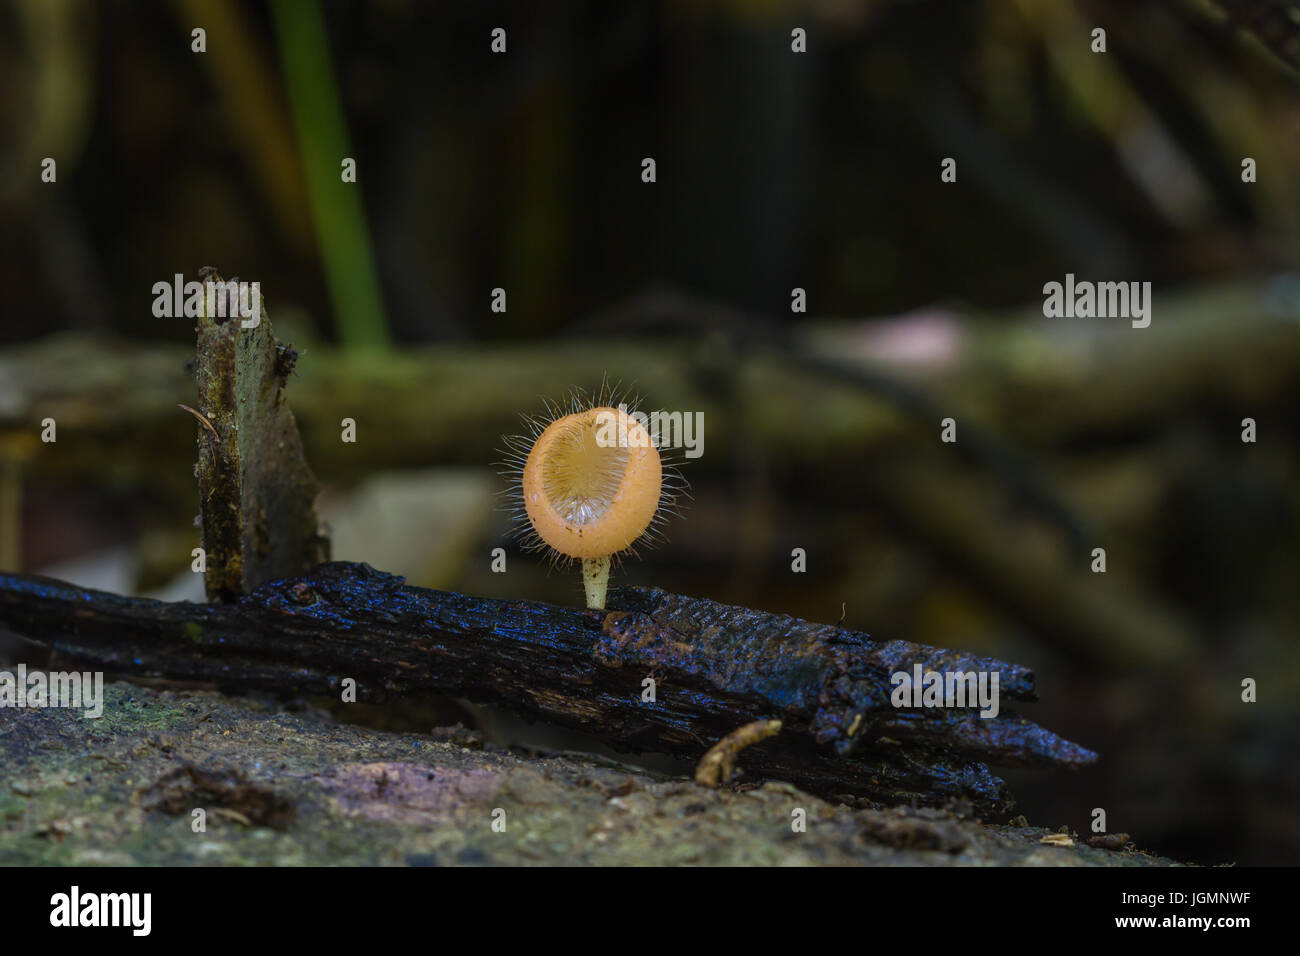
x=257, y=493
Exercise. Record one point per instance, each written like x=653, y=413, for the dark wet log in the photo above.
x=715, y=668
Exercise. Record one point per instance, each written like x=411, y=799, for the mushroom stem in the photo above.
x=595, y=579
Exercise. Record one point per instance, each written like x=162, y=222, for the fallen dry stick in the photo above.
x=715, y=767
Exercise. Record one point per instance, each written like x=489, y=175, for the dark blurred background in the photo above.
x=775, y=170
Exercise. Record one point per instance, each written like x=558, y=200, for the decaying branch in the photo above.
x=257, y=494
x=714, y=668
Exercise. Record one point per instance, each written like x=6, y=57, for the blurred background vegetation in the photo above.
x=775, y=170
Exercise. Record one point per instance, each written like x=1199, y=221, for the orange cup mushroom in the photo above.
x=592, y=483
